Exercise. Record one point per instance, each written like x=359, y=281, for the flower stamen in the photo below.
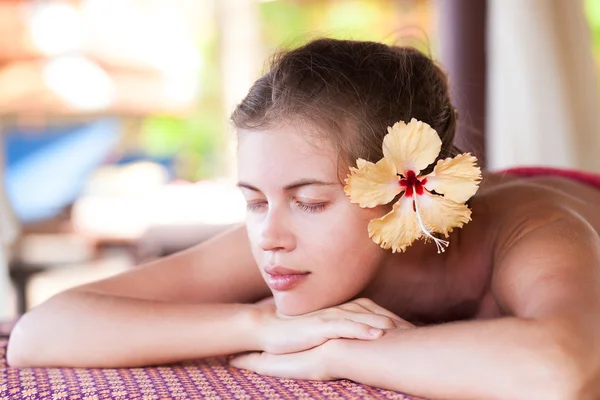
x=439, y=243
x=412, y=183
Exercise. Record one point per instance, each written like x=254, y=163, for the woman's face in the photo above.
x=310, y=243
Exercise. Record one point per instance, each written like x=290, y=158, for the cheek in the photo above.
x=347, y=246
x=253, y=232
x=355, y=228
x=251, y=229
x=351, y=224
x=342, y=230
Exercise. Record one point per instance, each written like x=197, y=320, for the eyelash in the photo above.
x=303, y=206
x=254, y=206
x=311, y=207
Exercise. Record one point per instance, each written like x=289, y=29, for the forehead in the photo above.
x=285, y=153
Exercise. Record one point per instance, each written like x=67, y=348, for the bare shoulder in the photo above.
x=543, y=242
x=507, y=208
x=514, y=201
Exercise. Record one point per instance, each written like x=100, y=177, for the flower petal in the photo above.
x=398, y=229
x=440, y=214
x=456, y=178
x=412, y=146
x=371, y=185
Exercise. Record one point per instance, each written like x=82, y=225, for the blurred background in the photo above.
x=115, y=145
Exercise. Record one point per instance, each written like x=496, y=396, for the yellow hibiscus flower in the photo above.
x=432, y=203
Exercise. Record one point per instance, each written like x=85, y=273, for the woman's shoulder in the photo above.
x=510, y=204
x=514, y=191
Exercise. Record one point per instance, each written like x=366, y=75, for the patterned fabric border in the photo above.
x=204, y=379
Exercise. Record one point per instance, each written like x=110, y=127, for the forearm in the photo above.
x=502, y=358
x=79, y=329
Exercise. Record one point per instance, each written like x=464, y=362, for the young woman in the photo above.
x=359, y=228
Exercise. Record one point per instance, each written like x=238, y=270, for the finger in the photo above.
x=373, y=307
x=351, y=306
x=249, y=361
x=267, y=300
x=374, y=320
x=403, y=324
x=364, y=305
x=348, y=329
x=397, y=322
x=291, y=366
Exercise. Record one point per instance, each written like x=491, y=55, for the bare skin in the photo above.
x=530, y=255
x=531, y=252
x=458, y=284
x=520, y=287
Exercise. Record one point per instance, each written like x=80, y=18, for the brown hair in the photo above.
x=352, y=91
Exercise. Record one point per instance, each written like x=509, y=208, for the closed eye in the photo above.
x=260, y=205
x=311, y=207
x=256, y=205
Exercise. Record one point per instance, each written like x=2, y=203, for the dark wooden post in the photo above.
x=462, y=35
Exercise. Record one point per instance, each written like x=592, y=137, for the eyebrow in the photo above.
x=291, y=186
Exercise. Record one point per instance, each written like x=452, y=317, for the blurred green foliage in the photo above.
x=287, y=23
x=592, y=10
x=196, y=143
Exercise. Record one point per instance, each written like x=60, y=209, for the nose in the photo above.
x=276, y=233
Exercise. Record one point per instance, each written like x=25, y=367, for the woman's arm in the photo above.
x=151, y=314
x=548, y=279
x=79, y=329
x=183, y=307
x=547, y=275
x=506, y=358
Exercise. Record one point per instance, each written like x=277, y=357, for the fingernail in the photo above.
x=375, y=332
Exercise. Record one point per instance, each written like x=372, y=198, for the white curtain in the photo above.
x=239, y=28
x=8, y=233
x=542, y=104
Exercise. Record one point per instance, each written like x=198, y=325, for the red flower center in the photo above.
x=412, y=184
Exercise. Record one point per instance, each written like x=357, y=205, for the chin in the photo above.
x=294, y=305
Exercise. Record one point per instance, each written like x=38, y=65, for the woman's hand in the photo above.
x=318, y=363
x=308, y=365
x=357, y=319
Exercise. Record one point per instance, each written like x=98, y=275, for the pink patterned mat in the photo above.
x=204, y=379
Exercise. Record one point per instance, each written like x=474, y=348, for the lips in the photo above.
x=281, y=278
x=279, y=270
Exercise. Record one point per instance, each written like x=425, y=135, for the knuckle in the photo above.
x=404, y=324
x=363, y=301
x=388, y=323
x=334, y=312
x=355, y=307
